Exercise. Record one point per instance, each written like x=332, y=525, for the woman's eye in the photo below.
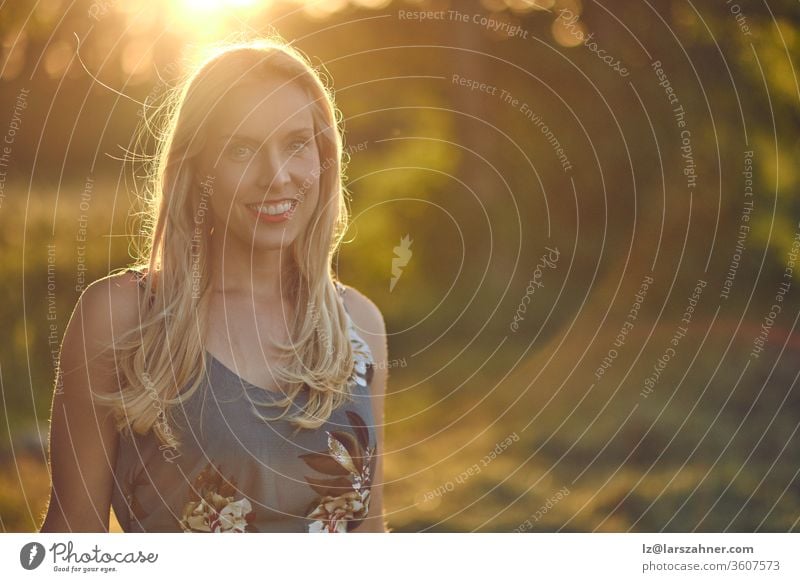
x=299, y=145
x=240, y=152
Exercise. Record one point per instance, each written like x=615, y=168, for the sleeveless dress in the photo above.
x=236, y=472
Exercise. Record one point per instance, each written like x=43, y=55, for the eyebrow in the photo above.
x=299, y=131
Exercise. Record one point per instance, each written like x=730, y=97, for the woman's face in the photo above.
x=261, y=164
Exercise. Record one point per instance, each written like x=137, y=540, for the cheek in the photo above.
x=315, y=192
x=307, y=167
x=236, y=176
x=227, y=182
x=307, y=175
x=234, y=182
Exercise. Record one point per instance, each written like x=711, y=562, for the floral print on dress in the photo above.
x=343, y=501
x=363, y=369
x=342, y=497
x=211, y=507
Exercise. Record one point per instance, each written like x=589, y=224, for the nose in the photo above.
x=274, y=172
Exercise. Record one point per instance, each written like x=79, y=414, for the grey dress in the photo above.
x=235, y=472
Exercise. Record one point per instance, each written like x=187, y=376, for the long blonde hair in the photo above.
x=167, y=350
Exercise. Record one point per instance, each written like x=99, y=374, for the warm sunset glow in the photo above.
x=209, y=17
x=210, y=7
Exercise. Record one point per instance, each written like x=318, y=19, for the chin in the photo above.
x=271, y=243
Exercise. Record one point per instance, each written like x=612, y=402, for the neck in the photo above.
x=258, y=273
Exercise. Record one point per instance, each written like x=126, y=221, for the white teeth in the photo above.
x=272, y=209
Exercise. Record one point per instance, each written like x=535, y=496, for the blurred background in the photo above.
x=580, y=220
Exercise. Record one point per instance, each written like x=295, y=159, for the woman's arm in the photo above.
x=83, y=437
x=371, y=327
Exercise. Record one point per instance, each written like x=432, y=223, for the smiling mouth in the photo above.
x=274, y=211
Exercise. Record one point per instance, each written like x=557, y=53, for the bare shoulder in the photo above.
x=113, y=297
x=365, y=314
x=83, y=436
x=106, y=309
x=368, y=321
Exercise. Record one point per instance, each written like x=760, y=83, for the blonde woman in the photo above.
x=228, y=382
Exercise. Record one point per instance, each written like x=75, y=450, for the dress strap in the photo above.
x=364, y=353
x=139, y=275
